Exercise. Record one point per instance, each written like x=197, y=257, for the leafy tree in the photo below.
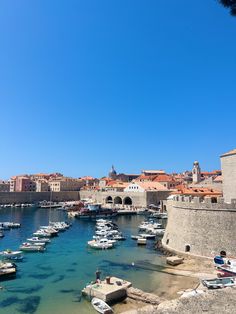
x=229, y=4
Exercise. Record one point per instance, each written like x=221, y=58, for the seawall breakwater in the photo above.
x=34, y=197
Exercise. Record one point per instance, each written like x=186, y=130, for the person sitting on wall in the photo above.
x=221, y=259
x=223, y=255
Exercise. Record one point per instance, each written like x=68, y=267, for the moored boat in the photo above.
x=38, y=240
x=218, y=283
x=42, y=233
x=100, y=244
x=6, y=273
x=28, y=247
x=141, y=241
x=96, y=213
x=5, y=265
x=11, y=254
x=228, y=269
x=101, y=307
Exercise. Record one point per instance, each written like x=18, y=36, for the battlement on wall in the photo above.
x=196, y=202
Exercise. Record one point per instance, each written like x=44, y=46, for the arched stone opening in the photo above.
x=117, y=200
x=128, y=201
x=109, y=200
x=187, y=248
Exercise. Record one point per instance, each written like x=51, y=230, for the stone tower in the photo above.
x=228, y=166
x=112, y=173
x=196, y=172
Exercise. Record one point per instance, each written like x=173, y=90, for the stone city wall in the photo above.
x=200, y=228
x=34, y=197
x=139, y=199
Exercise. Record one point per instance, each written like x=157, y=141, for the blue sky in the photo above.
x=138, y=84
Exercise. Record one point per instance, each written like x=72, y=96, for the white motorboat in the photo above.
x=37, y=243
x=100, y=244
x=103, y=221
x=38, y=240
x=7, y=272
x=9, y=253
x=158, y=232
x=42, y=233
x=135, y=237
x=9, y=224
x=6, y=265
x=101, y=232
x=101, y=307
x=141, y=241
x=147, y=236
x=28, y=247
x=50, y=230
x=111, y=241
x=118, y=237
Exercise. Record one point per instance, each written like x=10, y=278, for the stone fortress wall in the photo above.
x=34, y=197
x=200, y=226
x=119, y=199
x=228, y=165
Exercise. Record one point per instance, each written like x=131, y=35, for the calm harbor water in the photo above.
x=51, y=282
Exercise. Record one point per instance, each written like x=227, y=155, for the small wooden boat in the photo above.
x=218, y=283
x=101, y=307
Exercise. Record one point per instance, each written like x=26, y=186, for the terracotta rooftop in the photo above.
x=146, y=177
x=117, y=184
x=218, y=179
x=209, y=173
x=152, y=186
x=164, y=178
x=87, y=178
x=182, y=189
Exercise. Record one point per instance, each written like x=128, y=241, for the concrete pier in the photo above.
x=110, y=290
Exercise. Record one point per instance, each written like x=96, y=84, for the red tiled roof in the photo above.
x=182, y=189
x=151, y=186
x=147, y=177
x=164, y=178
x=218, y=179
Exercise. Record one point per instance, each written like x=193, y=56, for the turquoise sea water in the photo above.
x=51, y=282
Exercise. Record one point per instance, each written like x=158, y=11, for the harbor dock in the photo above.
x=110, y=290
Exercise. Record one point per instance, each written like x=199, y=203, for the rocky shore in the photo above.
x=166, y=299
x=211, y=302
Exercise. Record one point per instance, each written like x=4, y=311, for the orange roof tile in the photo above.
x=164, y=178
x=152, y=186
